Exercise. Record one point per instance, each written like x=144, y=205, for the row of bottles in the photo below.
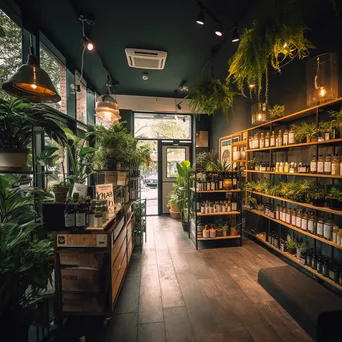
x=80, y=213
x=217, y=181
x=210, y=207
x=330, y=165
x=306, y=221
x=316, y=261
x=272, y=140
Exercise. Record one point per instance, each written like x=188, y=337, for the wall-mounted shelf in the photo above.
x=219, y=238
x=284, y=147
x=290, y=226
x=295, y=260
x=317, y=175
x=239, y=143
x=306, y=205
x=215, y=191
x=220, y=214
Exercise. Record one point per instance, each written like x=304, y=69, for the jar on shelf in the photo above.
x=312, y=223
x=294, y=217
x=313, y=164
x=321, y=79
x=335, y=165
x=319, y=264
x=206, y=233
x=286, y=167
x=305, y=222
x=292, y=138
x=273, y=139
x=288, y=216
x=259, y=113
x=320, y=227
x=212, y=232
x=262, y=141
x=299, y=218
x=327, y=165
x=320, y=164
x=334, y=233
x=280, y=138
x=267, y=140
x=327, y=230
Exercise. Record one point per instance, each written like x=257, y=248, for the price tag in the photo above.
x=105, y=192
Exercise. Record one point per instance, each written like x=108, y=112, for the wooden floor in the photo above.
x=174, y=293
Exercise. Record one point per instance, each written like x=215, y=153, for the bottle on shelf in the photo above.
x=292, y=139
x=294, y=217
x=327, y=165
x=98, y=215
x=281, y=167
x=286, y=137
x=299, y=219
x=335, y=165
x=91, y=214
x=256, y=141
x=235, y=180
x=313, y=164
x=273, y=139
x=220, y=181
x=81, y=215
x=312, y=223
x=69, y=214
x=320, y=225
x=234, y=203
x=320, y=164
x=286, y=167
x=280, y=138
x=304, y=222
x=267, y=140
x=262, y=141
x=327, y=229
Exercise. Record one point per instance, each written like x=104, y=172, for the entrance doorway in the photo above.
x=171, y=155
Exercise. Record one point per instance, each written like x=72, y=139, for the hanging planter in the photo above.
x=210, y=95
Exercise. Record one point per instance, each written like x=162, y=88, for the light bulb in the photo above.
x=252, y=85
x=285, y=45
x=322, y=92
x=90, y=46
x=259, y=117
x=33, y=86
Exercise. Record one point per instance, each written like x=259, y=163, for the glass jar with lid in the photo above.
x=262, y=141
x=280, y=138
x=313, y=164
x=267, y=140
x=273, y=139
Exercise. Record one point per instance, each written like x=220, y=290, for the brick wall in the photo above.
x=63, y=89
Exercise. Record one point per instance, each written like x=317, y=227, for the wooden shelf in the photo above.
x=220, y=214
x=304, y=232
x=219, y=238
x=297, y=115
x=240, y=143
x=325, y=142
x=295, y=260
x=215, y=191
x=307, y=205
x=239, y=161
x=317, y=175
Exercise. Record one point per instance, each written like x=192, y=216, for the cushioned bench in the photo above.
x=315, y=308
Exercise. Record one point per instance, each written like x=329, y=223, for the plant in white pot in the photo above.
x=17, y=119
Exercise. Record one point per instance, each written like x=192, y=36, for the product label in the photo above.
x=319, y=228
x=69, y=220
x=91, y=219
x=277, y=215
x=288, y=218
x=291, y=138
x=327, y=167
x=335, y=169
x=80, y=219
x=304, y=224
x=313, y=167
x=234, y=206
x=272, y=141
x=320, y=167
x=299, y=221
x=294, y=220
x=327, y=231
x=286, y=139
x=311, y=226
x=267, y=143
x=220, y=185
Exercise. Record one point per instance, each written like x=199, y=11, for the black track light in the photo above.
x=219, y=31
x=200, y=19
x=236, y=35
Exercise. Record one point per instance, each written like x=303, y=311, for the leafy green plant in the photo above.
x=273, y=41
x=326, y=126
x=302, y=246
x=218, y=165
x=304, y=130
x=210, y=95
x=335, y=193
x=205, y=160
x=141, y=155
x=25, y=258
x=113, y=145
x=276, y=111
x=291, y=242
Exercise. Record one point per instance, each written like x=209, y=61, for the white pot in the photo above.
x=15, y=158
x=298, y=253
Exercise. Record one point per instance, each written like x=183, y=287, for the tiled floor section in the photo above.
x=177, y=294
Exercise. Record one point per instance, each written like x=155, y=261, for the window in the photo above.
x=81, y=100
x=10, y=47
x=159, y=126
x=174, y=155
x=57, y=73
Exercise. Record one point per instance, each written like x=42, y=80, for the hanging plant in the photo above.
x=272, y=42
x=210, y=95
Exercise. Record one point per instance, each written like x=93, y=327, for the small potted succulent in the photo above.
x=291, y=245
x=334, y=199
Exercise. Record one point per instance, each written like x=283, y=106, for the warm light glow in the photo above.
x=322, y=92
x=285, y=45
x=219, y=33
x=252, y=85
x=259, y=117
x=33, y=86
x=90, y=46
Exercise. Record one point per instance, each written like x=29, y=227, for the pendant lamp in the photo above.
x=107, y=109
x=32, y=83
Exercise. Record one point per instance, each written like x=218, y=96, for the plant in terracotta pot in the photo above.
x=235, y=230
x=334, y=199
x=291, y=245
x=17, y=119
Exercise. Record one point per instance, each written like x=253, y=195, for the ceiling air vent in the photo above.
x=146, y=59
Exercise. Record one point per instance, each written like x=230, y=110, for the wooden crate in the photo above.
x=83, y=302
x=80, y=279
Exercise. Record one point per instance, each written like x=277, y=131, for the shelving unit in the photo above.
x=197, y=219
x=316, y=175
x=296, y=261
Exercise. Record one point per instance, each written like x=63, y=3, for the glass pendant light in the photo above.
x=107, y=109
x=32, y=82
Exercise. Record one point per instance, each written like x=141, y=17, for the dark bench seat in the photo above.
x=315, y=308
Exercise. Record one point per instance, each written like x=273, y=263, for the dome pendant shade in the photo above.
x=32, y=83
x=107, y=109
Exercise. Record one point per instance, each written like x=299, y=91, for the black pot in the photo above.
x=185, y=226
x=333, y=203
x=291, y=250
x=318, y=202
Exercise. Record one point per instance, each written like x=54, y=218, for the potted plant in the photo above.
x=210, y=95
x=141, y=155
x=205, y=160
x=250, y=202
x=25, y=263
x=327, y=129
x=291, y=245
x=305, y=131
x=17, y=119
x=173, y=207
x=301, y=247
x=235, y=230
x=114, y=147
x=336, y=117
x=316, y=196
x=334, y=199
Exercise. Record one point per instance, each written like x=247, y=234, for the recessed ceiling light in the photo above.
x=219, y=31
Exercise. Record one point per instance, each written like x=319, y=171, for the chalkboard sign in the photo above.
x=105, y=192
